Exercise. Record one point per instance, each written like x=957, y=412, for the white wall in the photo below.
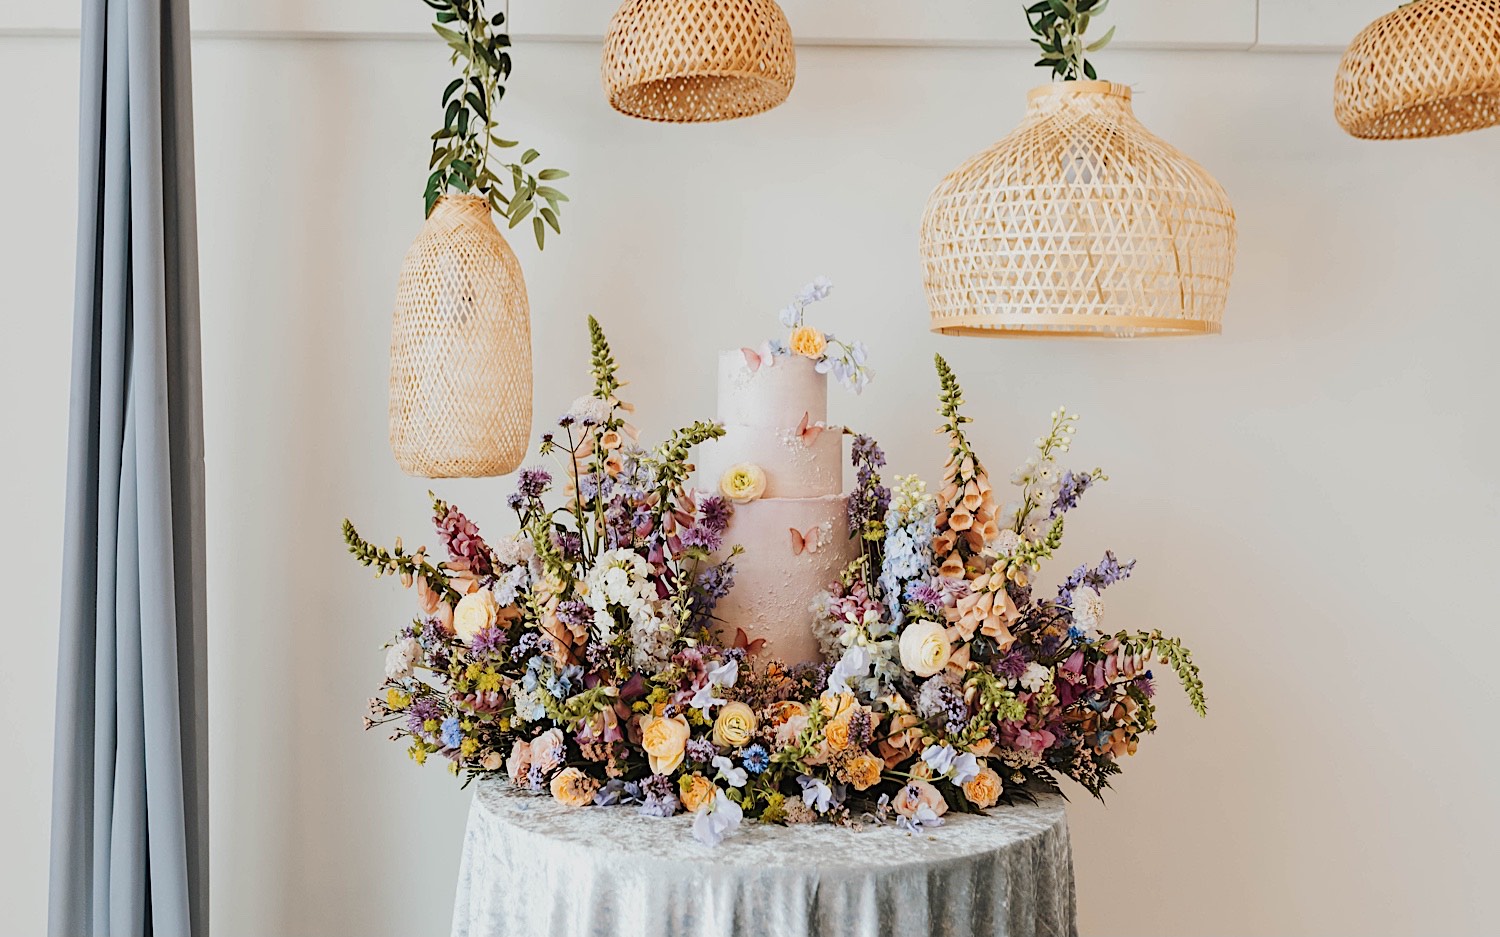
x=1309, y=495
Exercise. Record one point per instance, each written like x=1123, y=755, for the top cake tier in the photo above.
x=771, y=396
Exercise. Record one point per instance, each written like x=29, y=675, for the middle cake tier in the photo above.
x=797, y=464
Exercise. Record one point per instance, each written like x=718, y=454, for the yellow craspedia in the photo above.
x=396, y=700
x=430, y=726
x=468, y=747
x=418, y=754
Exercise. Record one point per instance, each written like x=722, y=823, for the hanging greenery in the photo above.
x=1059, y=26
x=466, y=151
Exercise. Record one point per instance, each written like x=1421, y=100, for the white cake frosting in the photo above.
x=795, y=537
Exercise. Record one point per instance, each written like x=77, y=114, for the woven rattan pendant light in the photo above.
x=1428, y=69
x=692, y=61
x=460, y=399
x=1080, y=222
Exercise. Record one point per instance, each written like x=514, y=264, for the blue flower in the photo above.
x=755, y=758
x=452, y=733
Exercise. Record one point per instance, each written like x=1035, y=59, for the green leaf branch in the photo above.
x=1173, y=653
x=1059, y=27
x=462, y=159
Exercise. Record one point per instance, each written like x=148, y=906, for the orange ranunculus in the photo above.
x=808, y=342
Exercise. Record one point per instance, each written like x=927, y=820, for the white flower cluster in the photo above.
x=1088, y=610
x=620, y=579
x=1040, y=478
x=401, y=658
x=591, y=410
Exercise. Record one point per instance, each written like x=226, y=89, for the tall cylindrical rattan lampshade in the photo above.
x=1428, y=69
x=1079, y=223
x=460, y=403
x=691, y=61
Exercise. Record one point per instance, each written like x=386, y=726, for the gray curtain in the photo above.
x=130, y=770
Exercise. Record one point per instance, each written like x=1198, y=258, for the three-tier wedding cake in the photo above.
x=792, y=518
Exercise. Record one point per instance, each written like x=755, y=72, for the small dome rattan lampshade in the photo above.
x=692, y=61
x=1079, y=223
x=460, y=404
x=1428, y=69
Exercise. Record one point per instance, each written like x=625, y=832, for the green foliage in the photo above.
x=603, y=362
x=671, y=457
x=461, y=160
x=397, y=562
x=1174, y=654
x=1059, y=26
x=950, y=400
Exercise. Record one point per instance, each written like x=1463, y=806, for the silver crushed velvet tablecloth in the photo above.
x=534, y=868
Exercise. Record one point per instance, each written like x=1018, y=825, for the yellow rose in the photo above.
x=475, y=612
x=837, y=732
x=735, y=726
x=984, y=788
x=925, y=648
x=574, y=788
x=743, y=483
x=863, y=771
x=664, y=741
x=808, y=342
x=695, y=790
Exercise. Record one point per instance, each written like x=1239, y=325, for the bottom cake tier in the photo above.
x=794, y=548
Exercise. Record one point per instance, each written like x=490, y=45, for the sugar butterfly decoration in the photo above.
x=809, y=542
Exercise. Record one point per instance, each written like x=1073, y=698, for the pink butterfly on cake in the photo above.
x=755, y=357
x=810, y=542
x=743, y=642
x=809, y=434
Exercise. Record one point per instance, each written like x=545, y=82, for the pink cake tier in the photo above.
x=795, y=537
x=774, y=584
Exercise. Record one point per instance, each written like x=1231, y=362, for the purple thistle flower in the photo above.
x=1012, y=665
x=533, y=482
x=716, y=511
x=699, y=535
x=574, y=612
x=490, y=640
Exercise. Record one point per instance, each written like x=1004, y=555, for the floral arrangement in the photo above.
x=580, y=655
x=846, y=361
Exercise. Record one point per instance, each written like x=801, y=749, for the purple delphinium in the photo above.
x=460, y=537
x=1071, y=488
x=712, y=584
x=1109, y=571
x=533, y=482
x=870, y=499
x=530, y=644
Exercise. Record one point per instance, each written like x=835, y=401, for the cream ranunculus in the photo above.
x=664, y=740
x=743, y=483
x=735, y=726
x=925, y=648
x=474, y=613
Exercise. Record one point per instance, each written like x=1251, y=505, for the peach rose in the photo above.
x=916, y=795
x=743, y=483
x=548, y=750
x=518, y=765
x=837, y=732
x=863, y=771
x=664, y=740
x=695, y=791
x=984, y=788
x=925, y=648
x=475, y=612
x=491, y=761
x=777, y=713
x=735, y=726
x=574, y=788
x=808, y=342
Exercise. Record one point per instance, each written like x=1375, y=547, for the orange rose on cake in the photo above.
x=808, y=342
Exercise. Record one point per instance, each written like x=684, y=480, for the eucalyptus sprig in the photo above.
x=461, y=158
x=1059, y=26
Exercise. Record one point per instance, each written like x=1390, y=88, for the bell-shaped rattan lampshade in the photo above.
x=1078, y=223
x=1428, y=69
x=460, y=403
x=691, y=61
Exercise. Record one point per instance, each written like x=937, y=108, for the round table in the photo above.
x=535, y=868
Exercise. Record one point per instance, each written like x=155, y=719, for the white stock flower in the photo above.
x=1035, y=677
x=400, y=659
